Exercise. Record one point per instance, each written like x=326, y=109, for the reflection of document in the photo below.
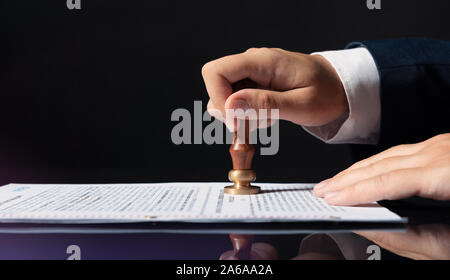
x=187, y=202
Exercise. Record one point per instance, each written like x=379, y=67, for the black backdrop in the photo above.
x=86, y=96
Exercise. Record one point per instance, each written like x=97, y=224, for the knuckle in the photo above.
x=278, y=49
x=338, y=177
x=444, y=140
x=355, y=165
x=338, y=181
x=210, y=105
x=265, y=50
x=402, y=148
x=374, y=167
x=261, y=51
x=437, y=146
x=206, y=68
x=267, y=101
x=427, y=191
x=441, y=137
x=382, y=180
x=437, y=140
x=399, y=147
x=436, y=186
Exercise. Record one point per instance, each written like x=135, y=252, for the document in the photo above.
x=175, y=202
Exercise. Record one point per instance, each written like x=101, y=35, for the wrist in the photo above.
x=358, y=75
x=331, y=89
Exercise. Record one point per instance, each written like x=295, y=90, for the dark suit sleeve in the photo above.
x=414, y=89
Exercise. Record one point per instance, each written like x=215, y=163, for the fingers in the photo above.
x=407, y=244
x=419, y=242
x=262, y=101
x=401, y=150
x=259, y=251
x=264, y=122
x=351, y=176
x=396, y=184
x=280, y=80
x=228, y=255
x=263, y=105
x=292, y=105
x=403, y=171
x=219, y=75
x=214, y=111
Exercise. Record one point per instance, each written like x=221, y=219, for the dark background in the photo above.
x=86, y=96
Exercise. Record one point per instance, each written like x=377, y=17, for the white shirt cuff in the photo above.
x=359, y=76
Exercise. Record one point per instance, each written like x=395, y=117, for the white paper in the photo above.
x=184, y=202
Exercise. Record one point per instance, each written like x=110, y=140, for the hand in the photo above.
x=424, y=242
x=403, y=171
x=245, y=249
x=305, y=88
x=258, y=251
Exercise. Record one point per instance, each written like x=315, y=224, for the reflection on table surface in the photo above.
x=420, y=242
x=426, y=236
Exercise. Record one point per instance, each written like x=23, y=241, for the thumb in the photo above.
x=255, y=99
x=288, y=108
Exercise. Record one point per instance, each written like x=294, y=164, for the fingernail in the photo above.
x=319, y=188
x=229, y=126
x=322, y=184
x=239, y=104
x=228, y=258
x=332, y=198
x=232, y=124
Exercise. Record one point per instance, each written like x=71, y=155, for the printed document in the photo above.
x=175, y=202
